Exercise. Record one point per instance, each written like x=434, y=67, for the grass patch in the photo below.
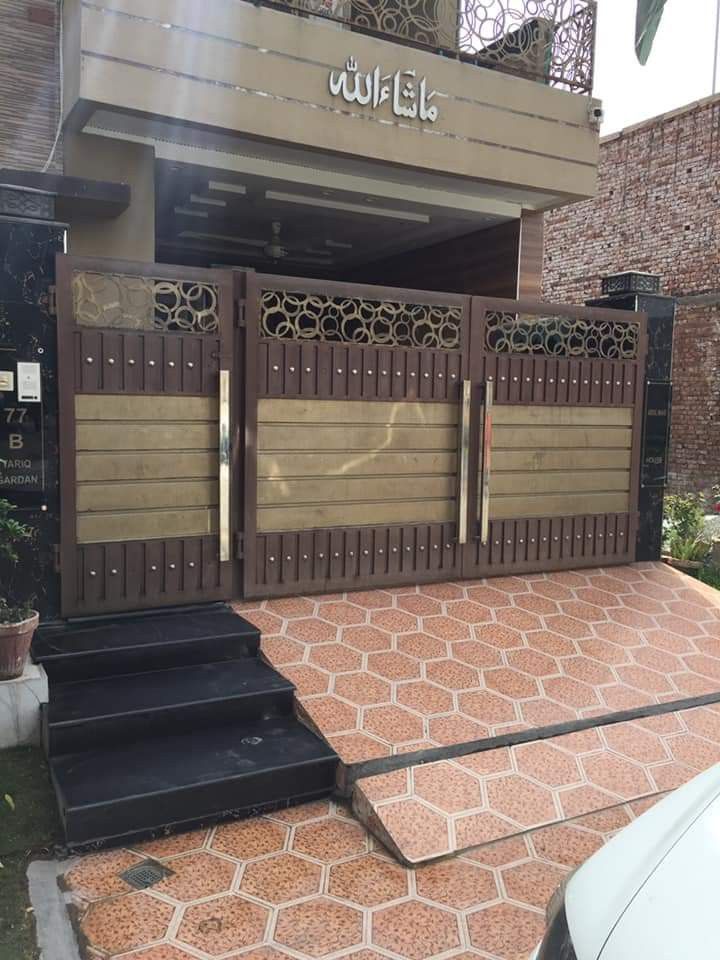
x=29, y=827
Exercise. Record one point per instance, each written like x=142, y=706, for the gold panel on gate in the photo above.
x=552, y=461
x=146, y=467
x=331, y=463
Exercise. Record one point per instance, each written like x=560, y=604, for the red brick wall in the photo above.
x=658, y=210
x=29, y=83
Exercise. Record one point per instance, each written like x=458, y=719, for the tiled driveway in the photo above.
x=311, y=884
x=391, y=671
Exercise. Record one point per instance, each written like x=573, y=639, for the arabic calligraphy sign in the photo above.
x=409, y=96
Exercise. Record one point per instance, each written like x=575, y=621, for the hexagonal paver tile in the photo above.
x=282, y=650
x=601, y=598
x=452, y=675
x=393, y=724
x=393, y=666
x=368, y=881
x=704, y=723
x=620, y=633
x=679, y=625
x=487, y=761
x=456, y=883
x=578, y=801
x=394, y=621
x=587, y=612
x=617, y=775
x=489, y=596
x=122, y=923
x=419, y=832
x=511, y=683
x=551, y=590
x=301, y=814
x=165, y=951
x=572, y=693
x=330, y=840
x=281, y=878
x=506, y=930
x=532, y=883
x=480, y=828
x=291, y=607
x=518, y=619
x=267, y=623
x=588, y=670
x=365, y=638
x=354, y=747
x=426, y=698
x=362, y=688
x=542, y=713
x=419, y=605
x=330, y=715
x=487, y=707
x=342, y=613
x=446, y=628
x=308, y=681
x=371, y=599
x=173, y=844
x=335, y=657
x=633, y=742
x=551, y=643
x=455, y=729
x=98, y=875
x=565, y=844
x=319, y=927
x=415, y=930
x=223, y=924
x=534, y=603
x=476, y=654
x=532, y=662
x=568, y=626
x=643, y=679
x=422, y=646
x=694, y=752
x=469, y=611
x=522, y=801
x=196, y=875
x=497, y=635
x=547, y=763
x=312, y=630
x=501, y=853
x=246, y=839
x=447, y=787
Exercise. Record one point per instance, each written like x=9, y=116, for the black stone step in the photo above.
x=110, y=794
x=120, y=646
x=86, y=714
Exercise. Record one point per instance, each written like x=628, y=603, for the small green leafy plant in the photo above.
x=684, y=527
x=13, y=608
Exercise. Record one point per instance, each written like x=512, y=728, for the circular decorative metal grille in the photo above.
x=286, y=315
x=562, y=336
x=144, y=303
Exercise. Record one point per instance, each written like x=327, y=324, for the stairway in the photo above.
x=163, y=721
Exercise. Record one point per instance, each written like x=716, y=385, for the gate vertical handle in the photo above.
x=224, y=465
x=464, y=460
x=486, y=464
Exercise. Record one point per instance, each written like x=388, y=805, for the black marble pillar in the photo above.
x=658, y=398
x=29, y=241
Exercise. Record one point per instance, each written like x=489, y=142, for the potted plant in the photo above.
x=18, y=620
x=685, y=541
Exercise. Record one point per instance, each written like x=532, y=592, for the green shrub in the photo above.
x=684, y=527
x=13, y=608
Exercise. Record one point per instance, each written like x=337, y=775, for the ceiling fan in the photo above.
x=271, y=248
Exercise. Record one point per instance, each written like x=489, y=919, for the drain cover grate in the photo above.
x=145, y=874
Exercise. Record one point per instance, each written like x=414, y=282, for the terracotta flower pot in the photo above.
x=15, y=640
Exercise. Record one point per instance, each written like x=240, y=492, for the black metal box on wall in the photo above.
x=28, y=387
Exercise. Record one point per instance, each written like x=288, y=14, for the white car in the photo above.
x=652, y=892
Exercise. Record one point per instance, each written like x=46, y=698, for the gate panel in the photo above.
x=561, y=464
x=352, y=434
x=141, y=347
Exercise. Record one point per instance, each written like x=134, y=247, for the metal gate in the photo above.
x=400, y=436
x=146, y=410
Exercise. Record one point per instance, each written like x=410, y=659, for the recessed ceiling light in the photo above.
x=227, y=187
x=189, y=212
x=195, y=198
x=348, y=207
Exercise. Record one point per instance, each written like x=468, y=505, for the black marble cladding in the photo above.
x=658, y=368
x=28, y=333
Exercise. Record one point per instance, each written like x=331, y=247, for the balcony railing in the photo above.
x=550, y=41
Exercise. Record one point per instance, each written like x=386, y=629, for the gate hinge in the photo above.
x=239, y=546
x=52, y=300
x=239, y=313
